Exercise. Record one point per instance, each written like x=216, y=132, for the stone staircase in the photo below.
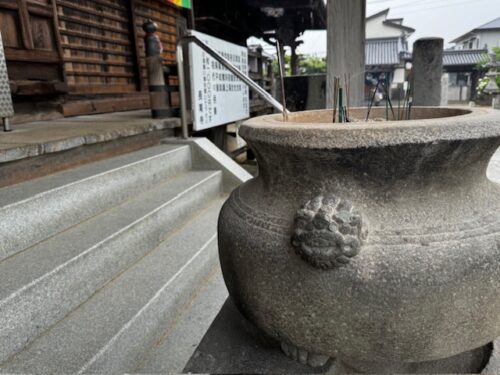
x=113, y=267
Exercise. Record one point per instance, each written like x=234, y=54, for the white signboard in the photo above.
x=218, y=96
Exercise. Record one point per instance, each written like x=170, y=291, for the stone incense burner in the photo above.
x=375, y=243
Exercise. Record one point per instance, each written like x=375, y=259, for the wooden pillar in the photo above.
x=346, y=47
x=294, y=62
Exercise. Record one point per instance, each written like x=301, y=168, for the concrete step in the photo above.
x=170, y=355
x=113, y=330
x=33, y=211
x=43, y=284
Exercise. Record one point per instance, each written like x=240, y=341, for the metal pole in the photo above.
x=282, y=78
x=182, y=91
x=6, y=124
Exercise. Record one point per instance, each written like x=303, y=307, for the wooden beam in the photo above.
x=97, y=25
x=101, y=89
x=15, y=54
x=60, y=51
x=91, y=11
x=81, y=47
x=24, y=19
x=40, y=88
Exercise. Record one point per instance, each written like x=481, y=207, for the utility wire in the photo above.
x=419, y=2
x=449, y=5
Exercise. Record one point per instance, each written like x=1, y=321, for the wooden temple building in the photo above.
x=74, y=57
x=82, y=56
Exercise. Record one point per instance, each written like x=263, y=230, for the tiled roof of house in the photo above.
x=490, y=26
x=495, y=24
x=464, y=57
x=383, y=51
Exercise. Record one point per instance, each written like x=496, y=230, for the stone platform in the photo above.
x=44, y=137
x=40, y=148
x=234, y=346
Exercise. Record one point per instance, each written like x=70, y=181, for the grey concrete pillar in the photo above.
x=427, y=71
x=346, y=47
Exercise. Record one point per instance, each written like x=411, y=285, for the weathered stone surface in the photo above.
x=45, y=137
x=425, y=284
x=232, y=345
x=496, y=104
x=427, y=71
x=493, y=365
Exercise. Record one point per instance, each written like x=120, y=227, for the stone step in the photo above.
x=170, y=355
x=113, y=330
x=43, y=284
x=33, y=211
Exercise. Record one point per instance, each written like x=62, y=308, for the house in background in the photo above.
x=386, y=49
x=486, y=36
x=462, y=72
x=461, y=62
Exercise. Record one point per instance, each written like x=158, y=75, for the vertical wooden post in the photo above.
x=24, y=18
x=260, y=66
x=134, y=35
x=346, y=47
x=294, y=61
x=57, y=34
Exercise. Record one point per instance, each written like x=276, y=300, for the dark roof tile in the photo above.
x=464, y=57
x=383, y=51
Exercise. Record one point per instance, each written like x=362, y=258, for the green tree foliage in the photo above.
x=312, y=65
x=288, y=66
x=307, y=65
x=483, y=82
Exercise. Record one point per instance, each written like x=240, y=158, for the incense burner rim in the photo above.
x=311, y=129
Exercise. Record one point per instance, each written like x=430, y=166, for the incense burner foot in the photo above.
x=303, y=356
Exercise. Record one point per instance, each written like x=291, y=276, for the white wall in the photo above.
x=399, y=75
x=482, y=38
x=491, y=38
x=458, y=94
x=376, y=29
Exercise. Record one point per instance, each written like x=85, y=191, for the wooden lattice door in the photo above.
x=30, y=36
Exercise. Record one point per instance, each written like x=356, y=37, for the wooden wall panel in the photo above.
x=9, y=26
x=31, y=42
x=98, y=42
x=97, y=46
x=94, y=48
x=43, y=33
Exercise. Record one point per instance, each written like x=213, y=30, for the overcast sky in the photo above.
x=447, y=19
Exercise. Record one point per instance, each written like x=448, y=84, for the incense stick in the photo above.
x=347, y=79
x=373, y=99
x=335, y=98
x=341, y=105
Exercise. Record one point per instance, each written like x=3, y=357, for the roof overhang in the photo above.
x=260, y=18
